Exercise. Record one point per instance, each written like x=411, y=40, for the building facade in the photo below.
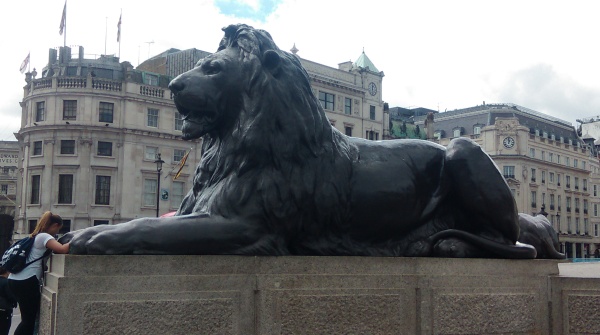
x=9, y=170
x=90, y=134
x=544, y=161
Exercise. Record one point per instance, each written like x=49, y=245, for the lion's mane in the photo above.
x=281, y=160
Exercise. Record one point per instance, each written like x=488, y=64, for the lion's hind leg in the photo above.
x=479, y=193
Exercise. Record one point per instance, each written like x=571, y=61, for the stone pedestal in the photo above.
x=309, y=295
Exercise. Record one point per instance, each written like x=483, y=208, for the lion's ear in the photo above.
x=272, y=61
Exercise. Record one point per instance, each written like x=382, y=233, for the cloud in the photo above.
x=542, y=88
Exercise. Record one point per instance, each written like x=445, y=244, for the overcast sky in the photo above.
x=442, y=55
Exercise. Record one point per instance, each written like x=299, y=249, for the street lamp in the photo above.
x=159, y=162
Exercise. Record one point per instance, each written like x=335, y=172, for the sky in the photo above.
x=438, y=54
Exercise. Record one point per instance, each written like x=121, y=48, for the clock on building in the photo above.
x=372, y=88
x=508, y=142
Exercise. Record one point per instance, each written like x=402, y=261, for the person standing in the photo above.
x=25, y=285
x=7, y=303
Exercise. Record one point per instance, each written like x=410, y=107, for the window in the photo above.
x=595, y=209
x=558, y=158
x=102, y=190
x=477, y=130
x=509, y=171
x=558, y=179
x=149, y=192
x=372, y=112
x=559, y=202
x=178, y=121
x=577, y=228
x=568, y=204
x=4, y=189
x=100, y=222
x=32, y=224
x=551, y=177
x=152, y=117
x=543, y=177
x=595, y=190
x=585, y=206
x=533, y=199
x=551, y=201
x=575, y=162
x=583, y=165
x=69, y=109
x=35, y=189
x=532, y=152
x=150, y=153
x=65, y=188
x=576, y=183
x=596, y=230
x=551, y=157
x=576, y=205
x=40, y=111
x=37, y=148
x=326, y=100
x=372, y=135
x=567, y=161
x=348, y=130
x=347, y=106
x=178, y=155
x=151, y=79
x=543, y=155
x=67, y=147
x=568, y=181
x=456, y=132
x=177, y=193
x=66, y=227
x=533, y=175
x=104, y=148
x=569, y=228
x=106, y=112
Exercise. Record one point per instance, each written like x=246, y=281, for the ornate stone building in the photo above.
x=546, y=164
x=90, y=133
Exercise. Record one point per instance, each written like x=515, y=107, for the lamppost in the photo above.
x=159, y=162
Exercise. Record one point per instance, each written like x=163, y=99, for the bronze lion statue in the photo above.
x=277, y=179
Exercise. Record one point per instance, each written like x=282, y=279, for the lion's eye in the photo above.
x=211, y=68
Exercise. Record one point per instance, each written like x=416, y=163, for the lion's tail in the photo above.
x=515, y=251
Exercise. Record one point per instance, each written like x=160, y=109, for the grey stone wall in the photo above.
x=311, y=295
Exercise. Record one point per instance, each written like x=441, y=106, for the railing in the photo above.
x=71, y=82
x=42, y=83
x=152, y=91
x=108, y=85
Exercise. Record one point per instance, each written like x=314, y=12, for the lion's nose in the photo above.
x=176, y=85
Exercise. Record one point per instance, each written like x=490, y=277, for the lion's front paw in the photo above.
x=79, y=239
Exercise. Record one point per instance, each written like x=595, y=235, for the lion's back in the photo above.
x=401, y=174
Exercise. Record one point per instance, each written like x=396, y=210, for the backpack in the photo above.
x=14, y=259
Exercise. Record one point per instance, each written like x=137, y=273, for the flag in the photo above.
x=24, y=64
x=181, y=164
x=63, y=20
x=119, y=29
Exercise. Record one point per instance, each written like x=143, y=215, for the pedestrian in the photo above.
x=7, y=303
x=25, y=285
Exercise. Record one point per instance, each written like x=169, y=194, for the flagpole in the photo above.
x=120, y=16
x=65, y=40
x=105, y=33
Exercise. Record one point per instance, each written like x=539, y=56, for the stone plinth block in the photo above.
x=299, y=295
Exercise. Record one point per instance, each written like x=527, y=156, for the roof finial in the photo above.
x=294, y=50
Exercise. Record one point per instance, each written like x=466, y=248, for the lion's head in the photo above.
x=249, y=87
x=267, y=144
